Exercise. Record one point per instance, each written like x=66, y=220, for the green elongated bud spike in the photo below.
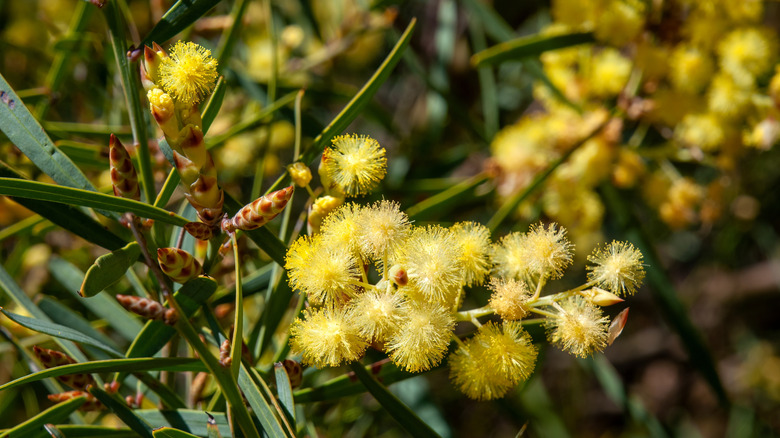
x=53, y=358
x=178, y=264
x=151, y=64
x=260, y=211
x=123, y=175
x=164, y=112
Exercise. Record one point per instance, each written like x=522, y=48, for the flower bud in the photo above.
x=294, y=372
x=199, y=230
x=600, y=297
x=398, y=275
x=92, y=404
x=123, y=176
x=260, y=211
x=321, y=208
x=300, y=173
x=149, y=67
x=164, y=113
x=178, y=264
x=147, y=308
x=616, y=326
x=53, y=358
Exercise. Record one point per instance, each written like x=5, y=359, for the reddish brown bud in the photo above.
x=123, y=175
x=616, y=327
x=178, y=264
x=199, y=230
x=398, y=275
x=92, y=404
x=224, y=354
x=260, y=211
x=53, y=358
x=145, y=307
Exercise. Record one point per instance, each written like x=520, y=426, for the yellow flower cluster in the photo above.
x=696, y=84
x=410, y=305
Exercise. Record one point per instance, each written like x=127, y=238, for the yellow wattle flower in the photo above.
x=189, y=73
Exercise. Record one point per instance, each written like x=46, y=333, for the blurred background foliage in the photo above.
x=659, y=119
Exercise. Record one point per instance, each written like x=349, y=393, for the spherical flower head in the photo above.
x=508, y=352
x=703, y=131
x=509, y=298
x=377, y=314
x=578, y=327
x=326, y=338
x=355, y=164
x=381, y=229
x=189, y=73
x=690, y=68
x=747, y=53
x=474, y=243
x=550, y=251
x=511, y=256
x=727, y=98
x=324, y=272
x=617, y=268
x=609, y=72
x=340, y=227
x=620, y=22
x=468, y=373
x=431, y=257
x=422, y=337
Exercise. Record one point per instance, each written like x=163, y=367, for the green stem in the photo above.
x=468, y=315
x=238, y=324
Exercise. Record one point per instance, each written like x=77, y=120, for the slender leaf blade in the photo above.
x=108, y=269
x=93, y=431
x=133, y=421
x=262, y=409
x=67, y=195
x=34, y=426
x=169, y=432
x=194, y=422
x=58, y=331
x=182, y=14
x=284, y=390
x=528, y=46
x=177, y=364
x=395, y=407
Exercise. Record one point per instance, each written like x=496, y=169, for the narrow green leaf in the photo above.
x=85, y=198
x=120, y=408
x=343, y=386
x=133, y=365
x=212, y=107
x=13, y=291
x=528, y=46
x=34, y=426
x=445, y=198
x=63, y=315
x=57, y=331
x=262, y=409
x=169, y=432
x=53, y=431
x=108, y=269
x=102, y=305
x=361, y=99
x=21, y=128
x=284, y=390
x=194, y=422
x=397, y=409
x=67, y=217
x=182, y=14
x=90, y=431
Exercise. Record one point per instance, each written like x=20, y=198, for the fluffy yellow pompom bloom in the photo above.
x=509, y=298
x=431, y=258
x=493, y=361
x=609, y=72
x=704, y=131
x=727, y=99
x=324, y=272
x=381, y=228
x=325, y=337
x=422, y=337
x=474, y=243
x=550, y=251
x=377, y=314
x=617, y=267
x=340, y=226
x=578, y=328
x=511, y=256
x=746, y=53
x=355, y=164
x=189, y=73
x=690, y=69
x=468, y=373
x=620, y=22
